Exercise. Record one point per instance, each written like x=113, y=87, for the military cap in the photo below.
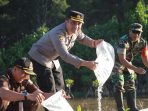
x=25, y=64
x=76, y=16
x=136, y=27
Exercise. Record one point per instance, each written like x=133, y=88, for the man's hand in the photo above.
x=96, y=42
x=64, y=95
x=38, y=97
x=89, y=64
x=129, y=65
x=140, y=70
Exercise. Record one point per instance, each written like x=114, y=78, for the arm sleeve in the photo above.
x=61, y=48
x=121, y=47
x=85, y=40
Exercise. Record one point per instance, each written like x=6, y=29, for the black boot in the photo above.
x=119, y=100
x=131, y=100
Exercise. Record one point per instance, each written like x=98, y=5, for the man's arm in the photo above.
x=9, y=95
x=85, y=40
x=45, y=94
x=96, y=42
x=89, y=64
x=127, y=64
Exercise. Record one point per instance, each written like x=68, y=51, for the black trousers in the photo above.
x=48, y=79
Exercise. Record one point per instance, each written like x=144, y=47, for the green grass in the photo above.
x=107, y=104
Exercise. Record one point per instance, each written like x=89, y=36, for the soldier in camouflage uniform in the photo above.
x=124, y=72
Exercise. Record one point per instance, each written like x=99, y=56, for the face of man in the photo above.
x=19, y=74
x=134, y=35
x=73, y=26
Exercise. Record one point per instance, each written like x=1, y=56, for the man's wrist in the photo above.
x=24, y=93
x=83, y=63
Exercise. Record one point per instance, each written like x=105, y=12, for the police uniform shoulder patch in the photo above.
x=61, y=38
x=123, y=42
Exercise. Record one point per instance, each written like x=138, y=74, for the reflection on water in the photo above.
x=108, y=104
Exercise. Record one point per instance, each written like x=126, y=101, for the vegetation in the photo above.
x=95, y=83
x=79, y=108
x=24, y=22
x=69, y=82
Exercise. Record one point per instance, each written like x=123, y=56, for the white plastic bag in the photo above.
x=57, y=103
x=105, y=59
x=144, y=109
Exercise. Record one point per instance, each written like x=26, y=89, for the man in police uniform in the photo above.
x=14, y=83
x=57, y=42
x=123, y=72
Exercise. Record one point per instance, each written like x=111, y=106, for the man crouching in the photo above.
x=16, y=87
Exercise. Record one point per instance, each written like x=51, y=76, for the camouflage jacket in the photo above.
x=129, y=48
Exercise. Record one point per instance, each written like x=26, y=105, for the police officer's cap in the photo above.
x=25, y=64
x=76, y=16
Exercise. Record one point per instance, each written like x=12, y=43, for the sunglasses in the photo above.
x=136, y=32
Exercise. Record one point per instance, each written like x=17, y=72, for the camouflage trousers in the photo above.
x=124, y=81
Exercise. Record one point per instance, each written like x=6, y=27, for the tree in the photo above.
x=23, y=17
